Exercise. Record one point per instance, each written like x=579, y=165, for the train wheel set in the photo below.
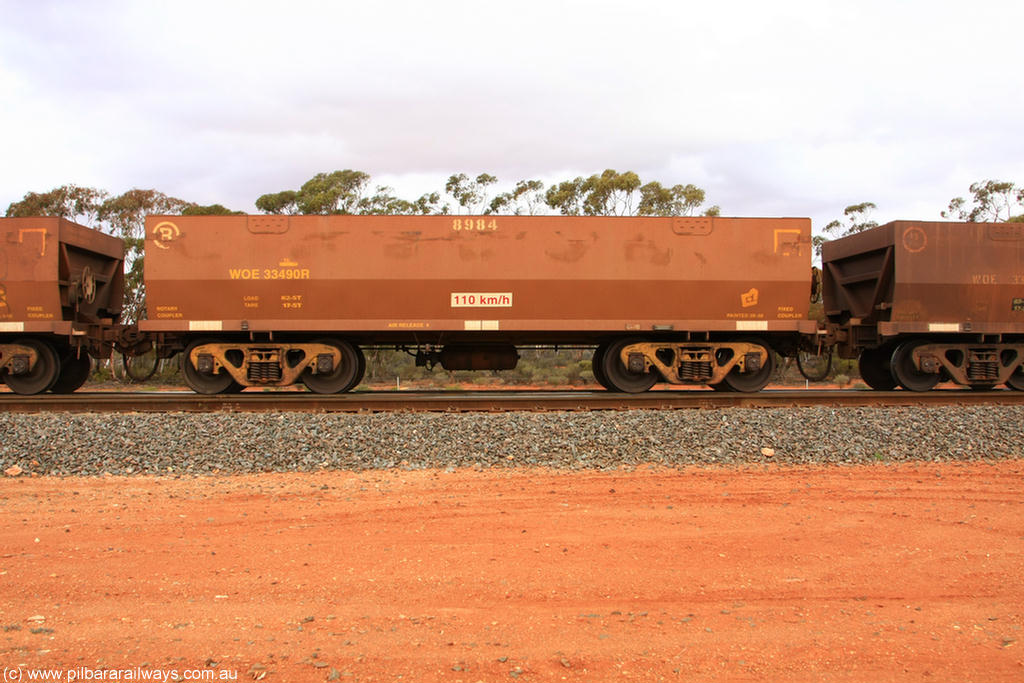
x=325, y=366
x=633, y=365
x=703, y=301
x=920, y=364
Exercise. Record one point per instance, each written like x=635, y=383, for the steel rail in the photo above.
x=486, y=401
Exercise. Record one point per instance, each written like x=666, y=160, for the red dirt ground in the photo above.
x=867, y=573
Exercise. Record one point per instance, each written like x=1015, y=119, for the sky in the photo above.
x=773, y=108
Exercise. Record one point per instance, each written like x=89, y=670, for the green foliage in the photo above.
x=385, y=203
x=621, y=194
x=610, y=193
x=471, y=195
x=566, y=197
x=525, y=199
x=338, y=192
x=211, y=210
x=278, y=202
x=991, y=201
x=429, y=203
x=855, y=220
x=78, y=204
x=679, y=200
x=332, y=193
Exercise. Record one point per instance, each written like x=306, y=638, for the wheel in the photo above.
x=201, y=382
x=814, y=367
x=875, y=369
x=750, y=382
x=43, y=375
x=345, y=375
x=618, y=377
x=908, y=376
x=142, y=367
x=74, y=370
x=1016, y=380
x=597, y=368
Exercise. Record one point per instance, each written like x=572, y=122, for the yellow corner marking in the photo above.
x=787, y=242
x=40, y=231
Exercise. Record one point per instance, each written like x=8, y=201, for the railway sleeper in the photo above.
x=259, y=365
x=696, y=362
x=979, y=365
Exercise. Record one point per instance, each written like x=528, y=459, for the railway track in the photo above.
x=486, y=401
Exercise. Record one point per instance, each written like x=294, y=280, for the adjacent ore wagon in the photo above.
x=918, y=302
x=274, y=300
x=61, y=290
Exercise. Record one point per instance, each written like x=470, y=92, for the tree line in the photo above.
x=610, y=193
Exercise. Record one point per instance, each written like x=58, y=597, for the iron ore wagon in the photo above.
x=61, y=292
x=275, y=300
x=919, y=302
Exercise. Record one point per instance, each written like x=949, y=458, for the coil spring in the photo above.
x=695, y=370
x=982, y=370
x=264, y=372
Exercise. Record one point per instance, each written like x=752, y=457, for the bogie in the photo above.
x=635, y=365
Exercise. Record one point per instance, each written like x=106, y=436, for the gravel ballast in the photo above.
x=176, y=443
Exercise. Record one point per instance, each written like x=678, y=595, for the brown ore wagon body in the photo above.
x=271, y=300
x=61, y=293
x=919, y=302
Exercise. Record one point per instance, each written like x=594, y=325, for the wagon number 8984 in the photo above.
x=476, y=224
